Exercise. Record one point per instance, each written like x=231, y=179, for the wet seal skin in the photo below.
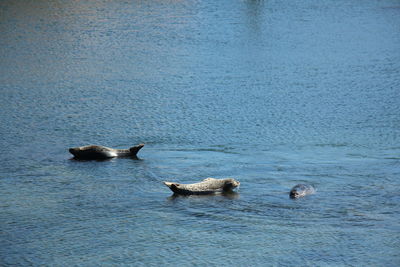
x=207, y=186
x=301, y=190
x=93, y=152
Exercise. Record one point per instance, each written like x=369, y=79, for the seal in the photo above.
x=207, y=186
x=102, y=152
x=301, y=190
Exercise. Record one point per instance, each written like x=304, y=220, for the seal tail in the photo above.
x=135, y=149
x=172, y=186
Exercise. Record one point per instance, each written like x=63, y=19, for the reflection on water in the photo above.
x=229, y=195
x=272, y=93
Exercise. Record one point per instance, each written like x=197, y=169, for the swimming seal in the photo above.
x=207, y=186
x=102, y=152
x=301, y=190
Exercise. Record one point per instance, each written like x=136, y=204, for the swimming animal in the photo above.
x=102, y=152
x=207, y=186
x=301, y=190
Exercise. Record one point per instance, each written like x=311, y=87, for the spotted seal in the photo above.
x=102, y=152
x=301, y=190
x=207, y=186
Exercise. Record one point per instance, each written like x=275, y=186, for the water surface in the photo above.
x=272, y=93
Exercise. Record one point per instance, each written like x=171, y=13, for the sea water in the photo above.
x=271, y=93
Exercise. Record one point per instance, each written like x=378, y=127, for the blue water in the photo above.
x=272, y=93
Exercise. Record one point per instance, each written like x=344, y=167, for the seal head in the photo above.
x=301, y=190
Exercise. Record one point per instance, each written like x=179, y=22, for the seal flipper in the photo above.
x=135, y=149
x=172, y=186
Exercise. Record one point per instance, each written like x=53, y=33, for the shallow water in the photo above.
x=272, y=93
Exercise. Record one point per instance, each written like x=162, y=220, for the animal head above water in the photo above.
x=230, y=184
x=301, y=190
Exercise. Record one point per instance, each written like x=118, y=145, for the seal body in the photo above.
x=207, y=186
x=102, y=152
x=301, y=190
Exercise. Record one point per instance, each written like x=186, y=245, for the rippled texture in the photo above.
x=272, y=93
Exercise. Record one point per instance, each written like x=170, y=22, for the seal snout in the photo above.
x=76, y=151
x=293, y=194
x=230, y=184
x=234, y=183
x=301, y=190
